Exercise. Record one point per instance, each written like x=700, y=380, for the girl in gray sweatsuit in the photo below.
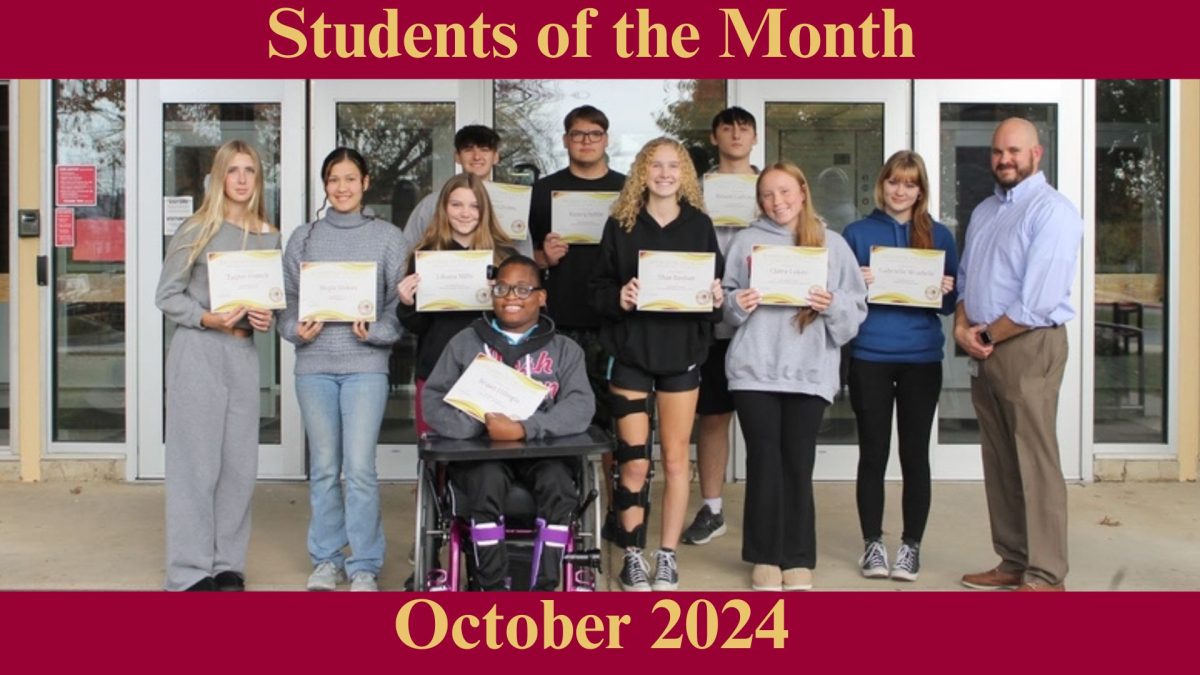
x=212, y=415
x=342, y=378
x=783, y=371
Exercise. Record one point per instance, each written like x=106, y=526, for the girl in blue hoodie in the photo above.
x=897, y=360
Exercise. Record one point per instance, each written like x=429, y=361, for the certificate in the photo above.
x=511, y=205
x=337, y=291
x=579, y=217
x=907, y=276
x=453, y=281
x=674, y=281
x=489, y=386
x=251, y=279
x=785, y=275
x=730, y=198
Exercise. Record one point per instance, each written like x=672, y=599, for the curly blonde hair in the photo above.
x=633, y=195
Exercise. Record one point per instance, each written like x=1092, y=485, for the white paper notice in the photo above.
x=907, y=276
x=785, y=275
x=730, y=198
x=251, y=279
x=674, y=281
x=579, y=217
x=337, y=291
x=176, y=210
x=489, y=386
x=453, y=281
x=511, y=204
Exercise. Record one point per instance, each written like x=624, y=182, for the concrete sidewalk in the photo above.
x=109, y=536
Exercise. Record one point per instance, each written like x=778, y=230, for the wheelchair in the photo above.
x=439, y=530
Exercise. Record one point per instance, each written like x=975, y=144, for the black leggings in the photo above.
x=913, y=388
x=781, y=446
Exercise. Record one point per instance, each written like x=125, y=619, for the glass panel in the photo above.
x=89, y=278
x=966, y=179
x=529, y=115
x=192, y=132
x=1131, y=261
x=5, y=378
x=409, y=148
x=840, y=148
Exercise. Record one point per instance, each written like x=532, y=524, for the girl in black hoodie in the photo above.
x=660, y=209
x=464, y=220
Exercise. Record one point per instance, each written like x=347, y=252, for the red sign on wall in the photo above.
x=99, y=240
x=75, y=185
x=64, y=227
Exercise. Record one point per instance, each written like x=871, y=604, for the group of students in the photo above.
x=567, y=316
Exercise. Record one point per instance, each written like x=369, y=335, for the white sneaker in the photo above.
x=363, y=581
x=325, y=577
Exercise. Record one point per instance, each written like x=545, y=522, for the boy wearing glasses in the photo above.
x=517, y=334
x=568, y=269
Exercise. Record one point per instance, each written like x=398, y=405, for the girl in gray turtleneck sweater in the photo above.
x=342, y=378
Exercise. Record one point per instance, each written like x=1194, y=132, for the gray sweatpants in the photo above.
x=211, y=454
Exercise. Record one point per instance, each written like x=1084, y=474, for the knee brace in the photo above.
x=555, y=536
x=624, y=498
x=623, y=407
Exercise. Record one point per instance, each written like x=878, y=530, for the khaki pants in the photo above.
x=1016, y=400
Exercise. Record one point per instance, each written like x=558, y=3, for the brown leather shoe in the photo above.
x=992, y=580
x=1038, y=587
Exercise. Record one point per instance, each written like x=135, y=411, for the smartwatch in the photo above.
x=985, y=337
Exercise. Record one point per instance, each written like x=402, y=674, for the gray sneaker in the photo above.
x=363, y=581
x=666, y=571
x=873, y=563
x=325, y=577
x=705, y=527
x=633, y=575
x=908, y=562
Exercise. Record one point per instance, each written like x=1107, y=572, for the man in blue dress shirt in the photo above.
x=1014, y=284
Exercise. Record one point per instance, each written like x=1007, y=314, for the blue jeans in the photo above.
x=342, y=416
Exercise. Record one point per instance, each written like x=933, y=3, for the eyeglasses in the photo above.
x=592, y=136
x=522, y=291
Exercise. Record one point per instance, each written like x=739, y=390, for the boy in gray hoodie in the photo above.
x=518, y=335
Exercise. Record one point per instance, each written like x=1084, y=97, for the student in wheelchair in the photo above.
x=519, y=335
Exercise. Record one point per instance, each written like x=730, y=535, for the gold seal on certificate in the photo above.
x=785, y=275
x=251, y=279
x=511, y=205
x=675, y=281
x=453, y=281
x=731, y=198
x=579, y=217
x=337, y=291
x=907, y=276
x=489, y=386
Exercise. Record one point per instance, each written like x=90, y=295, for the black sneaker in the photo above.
x=666, y=571
x=634, y=576
x=706, y=526
x=873, y=563
x=207, y=584
x=230, y=581
x=908, y=562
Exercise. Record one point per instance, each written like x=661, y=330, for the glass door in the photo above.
x=181, y=124
x=954, y=122
x=839, y=133
x=405, y=131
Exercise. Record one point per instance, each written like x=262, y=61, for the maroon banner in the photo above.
x=604, y=632
x=597, y=39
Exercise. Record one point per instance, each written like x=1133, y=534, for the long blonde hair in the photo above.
x=907, y=165
x=440, y=235
x=633, y=195
x=810, y=231
x=211, y=214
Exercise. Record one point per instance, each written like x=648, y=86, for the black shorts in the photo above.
x=715, y=398
x=633, y=378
